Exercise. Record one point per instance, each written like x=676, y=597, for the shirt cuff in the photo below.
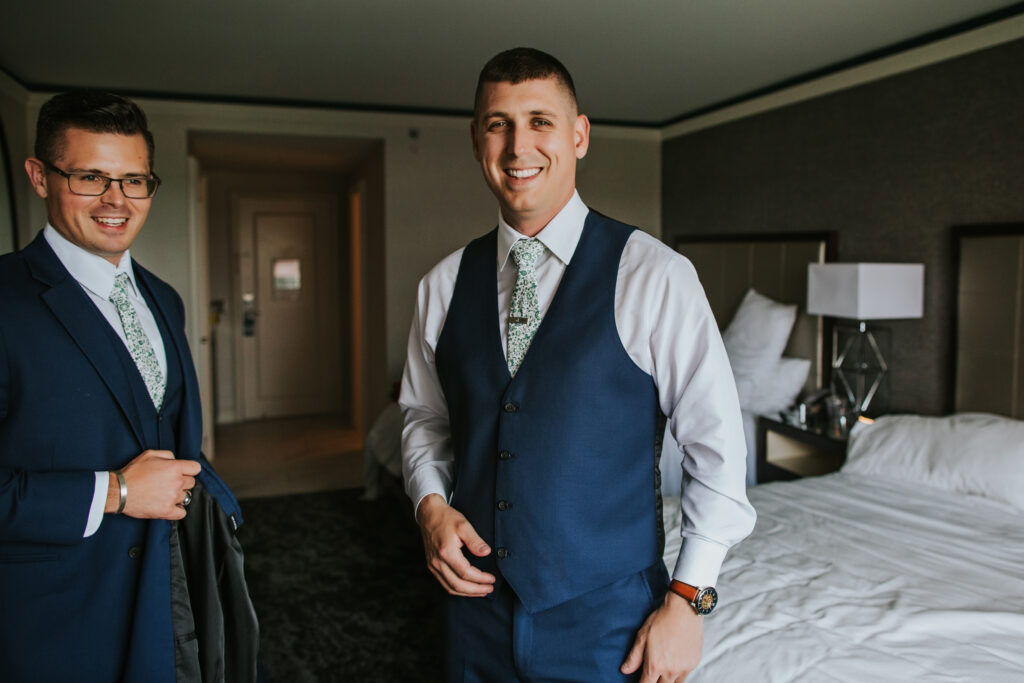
x=99, y=501
x=699, y=562
x=429, y=479
x=416, y=508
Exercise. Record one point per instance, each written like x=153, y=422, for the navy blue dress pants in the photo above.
x=585, y=640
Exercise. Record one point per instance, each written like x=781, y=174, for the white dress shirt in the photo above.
x=96, y=276
x=668, y=330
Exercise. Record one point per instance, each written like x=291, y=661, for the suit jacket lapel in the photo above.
x=86, y=326
x=191, y=429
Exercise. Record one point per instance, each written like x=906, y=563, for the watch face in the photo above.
x=706, y=600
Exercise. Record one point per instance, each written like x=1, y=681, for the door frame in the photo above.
x=197, y=314
x=369, y=380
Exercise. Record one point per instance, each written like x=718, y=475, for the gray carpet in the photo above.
x=341, y=589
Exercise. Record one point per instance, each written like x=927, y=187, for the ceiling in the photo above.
x=641, y=62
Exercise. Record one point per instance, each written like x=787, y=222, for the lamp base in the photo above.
x=858, y=366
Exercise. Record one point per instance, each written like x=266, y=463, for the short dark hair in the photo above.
x=523, y=64
x=90, y=110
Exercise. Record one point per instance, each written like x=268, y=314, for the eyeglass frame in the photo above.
x=153, y=177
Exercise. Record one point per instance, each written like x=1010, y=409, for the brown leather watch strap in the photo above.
x=683, y=590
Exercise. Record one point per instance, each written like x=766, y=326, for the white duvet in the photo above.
x=848, y=579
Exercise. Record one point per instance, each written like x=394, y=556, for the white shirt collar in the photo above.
x=93, y=272
x=560, y=235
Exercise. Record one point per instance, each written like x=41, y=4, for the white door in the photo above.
x=289, y=340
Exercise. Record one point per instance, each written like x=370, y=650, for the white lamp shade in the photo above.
x=866, y=291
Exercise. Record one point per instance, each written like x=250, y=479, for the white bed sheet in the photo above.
x=849, y=579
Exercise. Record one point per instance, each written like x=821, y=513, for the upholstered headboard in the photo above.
x=776, y=266
x=989, y=319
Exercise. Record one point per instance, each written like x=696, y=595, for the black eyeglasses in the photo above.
x=93, y=185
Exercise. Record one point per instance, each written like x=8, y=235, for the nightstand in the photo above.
x=786, y=451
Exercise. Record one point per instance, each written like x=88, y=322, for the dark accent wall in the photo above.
x=891, y=166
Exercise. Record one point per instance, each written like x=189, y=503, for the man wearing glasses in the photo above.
x=100, y=423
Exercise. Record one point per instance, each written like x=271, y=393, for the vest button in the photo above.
x=502, y=553
x=510, y=407
x=504, y=505
x=134, y=552
x=504, y=455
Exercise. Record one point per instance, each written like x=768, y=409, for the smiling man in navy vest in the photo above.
x=100, y=424
x=540, y=360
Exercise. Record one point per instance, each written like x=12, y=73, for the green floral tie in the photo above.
x=138, y=343
x=524, y=316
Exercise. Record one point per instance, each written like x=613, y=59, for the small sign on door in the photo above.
x=287, y=278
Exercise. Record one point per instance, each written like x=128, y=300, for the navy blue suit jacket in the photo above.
x=75, y=608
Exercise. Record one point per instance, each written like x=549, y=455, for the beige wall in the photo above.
x=435, y=200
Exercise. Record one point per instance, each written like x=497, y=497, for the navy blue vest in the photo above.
x=167, y=425
x=160, y=429
x=554, y=468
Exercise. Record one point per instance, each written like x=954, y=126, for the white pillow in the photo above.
x=754, y=341
x=774, y=391
x=758, y=332
x=896, y=447
x=972, y=453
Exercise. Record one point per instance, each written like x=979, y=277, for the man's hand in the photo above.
x=668, y=645
x=156, y=483
x=445, y=533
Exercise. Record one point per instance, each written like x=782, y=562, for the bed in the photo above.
x=908, y=563
x=866, y=576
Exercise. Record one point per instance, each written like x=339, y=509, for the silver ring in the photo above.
x=188, y=498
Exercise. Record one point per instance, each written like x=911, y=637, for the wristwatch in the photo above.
x=702, y=599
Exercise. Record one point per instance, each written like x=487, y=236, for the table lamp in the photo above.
x=862, y=292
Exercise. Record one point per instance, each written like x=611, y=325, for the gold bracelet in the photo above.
x=124, y=491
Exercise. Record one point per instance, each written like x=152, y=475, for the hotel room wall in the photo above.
x=890, y=166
